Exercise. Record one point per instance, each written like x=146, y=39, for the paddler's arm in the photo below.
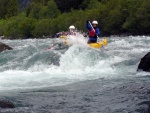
x=90, y=28
x=97, y=32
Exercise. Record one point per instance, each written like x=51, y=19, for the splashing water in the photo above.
x=30, y=66
x=78, y=79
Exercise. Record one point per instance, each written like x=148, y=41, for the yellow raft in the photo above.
x=62, y=36
x=93, y=45
x=99, y=44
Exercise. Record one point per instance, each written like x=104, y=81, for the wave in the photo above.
x=31, y=65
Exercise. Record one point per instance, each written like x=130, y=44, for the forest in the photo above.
x=47, y=17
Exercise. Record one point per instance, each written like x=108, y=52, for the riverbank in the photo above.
x=118, y=18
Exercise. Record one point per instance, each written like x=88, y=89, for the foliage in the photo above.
x=42, y=28
x=138, y=20
x=19, y=26
x=8, y=8
x=67, y=5
x=47, y=17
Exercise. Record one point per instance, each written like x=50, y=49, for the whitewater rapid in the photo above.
x=31, y=66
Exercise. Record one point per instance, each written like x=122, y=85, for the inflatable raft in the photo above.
x=62, y=36
x=99, y=44
x=93, y=45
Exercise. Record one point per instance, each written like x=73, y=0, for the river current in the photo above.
x=75, y=79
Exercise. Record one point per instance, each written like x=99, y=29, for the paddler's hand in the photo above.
x=95, y=35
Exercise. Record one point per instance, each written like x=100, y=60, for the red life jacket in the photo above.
x=92, y=33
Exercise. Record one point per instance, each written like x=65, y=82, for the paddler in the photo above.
x=72, y=30
x=58, y=34
x=94, y=31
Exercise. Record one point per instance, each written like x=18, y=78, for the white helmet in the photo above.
x=94, y=22
x=71, y=27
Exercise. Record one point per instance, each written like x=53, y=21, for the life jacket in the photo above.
x=92, y=33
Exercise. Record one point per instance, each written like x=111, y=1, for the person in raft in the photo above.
x=72, y=30
x=58, y=34
x=94, y=31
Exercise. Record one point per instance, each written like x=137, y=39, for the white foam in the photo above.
x=77, y=39
x=78, y=63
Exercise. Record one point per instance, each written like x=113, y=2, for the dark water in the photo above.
x=75, y=80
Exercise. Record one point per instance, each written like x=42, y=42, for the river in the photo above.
x=77, y=79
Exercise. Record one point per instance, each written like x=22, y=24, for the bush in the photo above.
x=44, y=18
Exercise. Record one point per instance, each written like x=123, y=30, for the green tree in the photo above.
x=114, y=16
x=42, y=28
x=2, y=25
x=52, y=9
x=93, y=4
x=27, y=26
x=8, y=8
x=38, y=11
x=143, y=17
x=43, y=2
x=3, y=4
x=67, y=5
x=11, y=28
x=138, y=14
x=43, y=17
x=34, y=10
x=12, y=8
